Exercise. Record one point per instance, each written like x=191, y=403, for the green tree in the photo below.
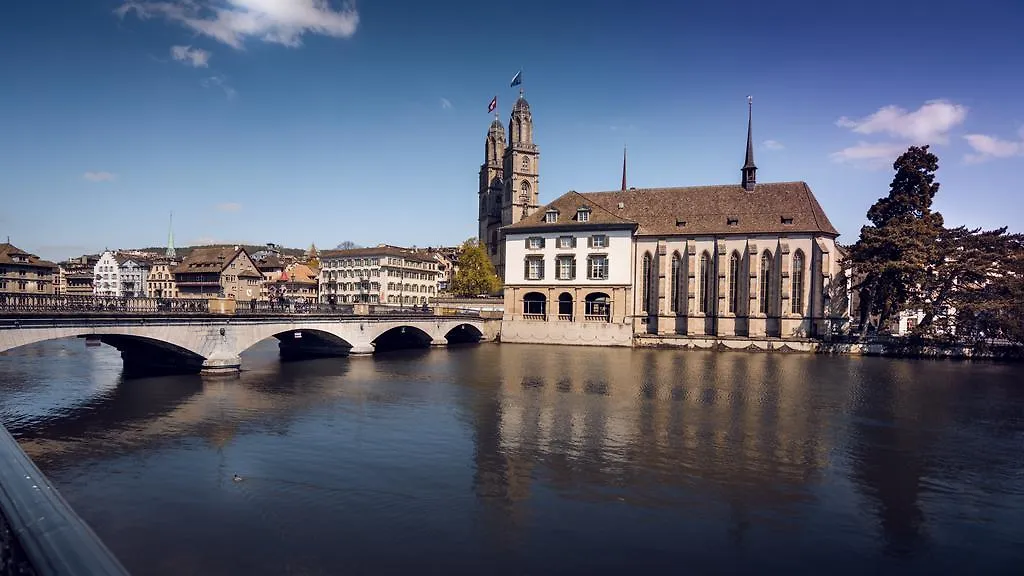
x=968, y=278
x=476, y=273
x=892, y=255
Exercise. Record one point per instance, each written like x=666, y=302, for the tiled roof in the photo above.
x=393, y=251
x=8, y=250
x=772, y=208
x=207, y=259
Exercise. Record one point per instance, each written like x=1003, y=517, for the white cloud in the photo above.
x=99, y=176
x=446, y=103
x=869, y=155
x=772, y=145
x=928, y=124
x=229, y=207
x=989, y=147
x=234, y=21
x=219, y=82
x=195, y=57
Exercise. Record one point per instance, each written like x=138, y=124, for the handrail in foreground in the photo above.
x=39, y=532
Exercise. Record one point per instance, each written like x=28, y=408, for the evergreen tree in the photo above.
x=893, y=252
x=476, y=273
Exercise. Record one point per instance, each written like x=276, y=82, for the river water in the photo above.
x=520, y=459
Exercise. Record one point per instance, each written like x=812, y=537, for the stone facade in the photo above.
x=161, y=279
x=107, y=275
x=379, y=275
x=24, y=273
x=748, y=260
x=218, y=272
x=509, y=187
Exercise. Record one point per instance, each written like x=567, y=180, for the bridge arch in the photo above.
x=463, y=333
x=400, y=337
x=145, y=350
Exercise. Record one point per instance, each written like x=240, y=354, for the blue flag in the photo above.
x=517, y=79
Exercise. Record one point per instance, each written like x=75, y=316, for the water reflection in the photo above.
x=526, y=459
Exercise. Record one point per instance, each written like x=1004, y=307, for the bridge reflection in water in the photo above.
x=580, y=460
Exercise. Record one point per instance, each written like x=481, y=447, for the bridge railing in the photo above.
x=40, y=535
x=14, y=303
x=17, y=305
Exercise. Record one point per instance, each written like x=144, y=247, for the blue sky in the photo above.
x=298, y=121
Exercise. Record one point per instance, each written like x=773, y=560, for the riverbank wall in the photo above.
x=894, y=348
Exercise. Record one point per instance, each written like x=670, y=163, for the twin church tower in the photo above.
x=509, y=179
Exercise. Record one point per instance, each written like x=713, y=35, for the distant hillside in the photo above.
x=184, y=251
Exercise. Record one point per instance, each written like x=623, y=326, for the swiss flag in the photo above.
x=492, y=105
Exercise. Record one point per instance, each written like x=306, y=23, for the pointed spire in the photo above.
x=623, y=168
x=170, y=253
x=749, y=168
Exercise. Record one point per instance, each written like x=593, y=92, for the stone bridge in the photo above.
x=211, y=344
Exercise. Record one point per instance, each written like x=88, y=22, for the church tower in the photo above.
x=522, y=193
x=491, y=187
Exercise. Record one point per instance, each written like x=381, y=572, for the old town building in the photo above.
x=21, y=272
x=379, y=275
x=77, y=275
x=218, y=272
x=161, y=278
x=748, y=260
x=296, y=283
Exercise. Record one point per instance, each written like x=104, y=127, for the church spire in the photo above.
x=170, y=253
x=623, y=168
x=749, y=168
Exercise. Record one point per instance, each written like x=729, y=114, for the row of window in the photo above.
x=567, y=242
x=389, y=261
x=565, y=267
x=707, y=283
x=582, y=215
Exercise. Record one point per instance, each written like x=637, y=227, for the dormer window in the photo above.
x=732, y=221
x=583, y=214
x=551, y=216
x=788, y=221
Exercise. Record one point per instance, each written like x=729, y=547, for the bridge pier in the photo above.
x=439, y=342
x=222, y=365
x=361, y=350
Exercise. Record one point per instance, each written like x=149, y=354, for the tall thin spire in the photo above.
x=623, y=168
x=749, y=168
x=170, y=253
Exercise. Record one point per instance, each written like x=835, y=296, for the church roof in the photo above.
x=771, y=208
x=521, y=104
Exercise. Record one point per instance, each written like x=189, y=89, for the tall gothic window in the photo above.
x=676, y=266
x=798, y=282
x=734, y=277
x=705, y=283
x=766, y=278
x=645, y=280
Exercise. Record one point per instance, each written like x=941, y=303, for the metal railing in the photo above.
x=70, y=304
x=39, y=532
x=23, y=305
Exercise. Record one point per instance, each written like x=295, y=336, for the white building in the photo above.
x=107, y=275
x=379, y=275
x=688, y=265
x=134, y=275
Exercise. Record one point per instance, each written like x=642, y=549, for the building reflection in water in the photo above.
x=570, y=448
x=669, y=426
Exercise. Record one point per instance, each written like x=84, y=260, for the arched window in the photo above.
x=766, y=275
x=676, y=270
x=645, y=281
x=526, y=164
x=798, y=282
x=734, y=277
x=565, y=306
x=705, y=283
